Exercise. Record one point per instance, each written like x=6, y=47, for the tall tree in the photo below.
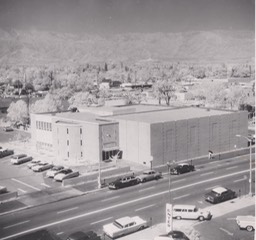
x=18, y=111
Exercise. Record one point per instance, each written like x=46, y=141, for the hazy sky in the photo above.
x=118, y=16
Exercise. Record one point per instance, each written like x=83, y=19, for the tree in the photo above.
x=235, y=96
x=18, y=111
x=80, y=99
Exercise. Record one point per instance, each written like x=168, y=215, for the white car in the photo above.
x=33, y=163
x=149, y=175
x=41, y=167
x=246, y=222
x=65, y=174
x=55, y=170
x=123, y=226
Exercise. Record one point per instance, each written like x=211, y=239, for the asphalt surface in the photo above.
x=147, y=200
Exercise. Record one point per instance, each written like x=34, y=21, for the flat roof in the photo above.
x=167, y=115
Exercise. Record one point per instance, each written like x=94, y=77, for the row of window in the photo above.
x=81, y=131
x=44, y=125
x=43, y=145
x=80, y=155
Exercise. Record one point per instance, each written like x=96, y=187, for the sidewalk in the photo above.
x=187, y=226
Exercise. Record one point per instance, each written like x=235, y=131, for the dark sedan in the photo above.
x=6, y=152
x=123, y=182
x=182, y=168
x=177, y=235
x=219, y=194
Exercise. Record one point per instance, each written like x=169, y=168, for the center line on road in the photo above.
x=239, y=180
x=186, y=195
x=231, y=167
x=226, y=231
x=82, y=215
x=16, y=224
x=109, y=199
x=139, y=209
x=204, y=174
x=181, y=180
x=102, y=220
x=22, y=190
x=44, y=184
x=145, y=189
x=16, y=180
x=67, y=210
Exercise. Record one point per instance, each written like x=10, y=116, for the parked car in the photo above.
x=42, y=166
x=149, y=175
x=190, y=212
x=3, y=189
x=8, y=129
x=21, y=160
x=178, y=235
x=246, y=222
x=123, y=182
x=33, y=163
x=65, y=174
x=6, y=152
x=219, y=194
x=182, y=168
x=84, y=236
x=55, y=170
x=124, y=226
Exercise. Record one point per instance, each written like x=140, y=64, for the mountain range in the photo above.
x=40, y=47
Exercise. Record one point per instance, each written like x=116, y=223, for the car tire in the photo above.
x=142, y=227
x=178, y=217
x=144, y=180
x=201, y=218
x=249, y=228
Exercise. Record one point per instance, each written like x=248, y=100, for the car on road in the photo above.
x=182, y=168
x=175, y=235
x=219, y=194
x=246, y=222
x=190, y=212
x=84, y=236
x=8, y=129
x=33, y=163
x=21, y=160
x=124, y=226
x=55, y=170
x=6, y=152
x=42, y=166
x=123, y=182
x=3, y=189
x=65, y=174
x=149, y=175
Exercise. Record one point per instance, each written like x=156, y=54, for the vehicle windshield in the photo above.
x=215, y=193
x=117, y=224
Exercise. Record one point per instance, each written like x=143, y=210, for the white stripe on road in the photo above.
x=181, y=180
x=231, y=167
x=16, y=180
x=186, y=195
x=102, y=220
x=123, y=204
x=226, y=231
x=210, y=188
x=109, y=199
x=239, y=180
x=149, y=206
x=59, y=233
x=22, y=190
x=67, y=210
x=145, y=189
x=16, y=224
x=44, y=184
x=204, y=174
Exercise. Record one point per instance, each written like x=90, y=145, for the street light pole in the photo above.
x=250, y=178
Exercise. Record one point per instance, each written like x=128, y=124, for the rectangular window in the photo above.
x=81, y=154
x=50, y=127
x=47, y=126
x=68, y=142
x=67, y=130
x=68, y=154
x=81, y=142
x=81, y=131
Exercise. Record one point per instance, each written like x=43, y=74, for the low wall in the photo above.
x=94, y=176
x=8, y=196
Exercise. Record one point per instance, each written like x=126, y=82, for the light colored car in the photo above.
x=33, y=163
x=190, y=212
x=149, y=175
x=21, y=160
x=42, y=166
x=3, y=189
x=55, y=170
x=124, y=226
x=65, y=174
x=246, y=222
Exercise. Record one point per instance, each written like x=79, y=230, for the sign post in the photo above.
x=168, y=217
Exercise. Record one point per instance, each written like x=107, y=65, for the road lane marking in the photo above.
x=67, y=210
x=204, y=174
x=181, y=180
x=210, y=188
x=231, y=167
x=239, y=180
x=44, y=184
x=145, y=189
x=16, y=224
x=59, y=233
x=123, y=204
x=102, y=220
x=186, y=195
x=149, y=206
x=22, y=190
x=109, y=199
x=16, y=180
x=226, y=231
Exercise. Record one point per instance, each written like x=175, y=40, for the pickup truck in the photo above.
x=246, y=222
x=149, y=175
